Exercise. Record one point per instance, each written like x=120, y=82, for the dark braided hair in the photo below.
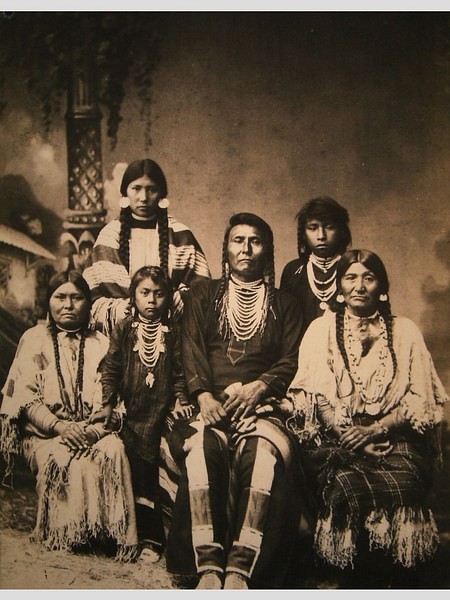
x=158, y=276
x=374, y=263
x=153, y=171
x=323, y=209
x=75, y=277
x=267, y=238
x=163, y=230
x=124, y=236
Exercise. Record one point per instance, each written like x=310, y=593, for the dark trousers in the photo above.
x=277, y=518
x=149, y=519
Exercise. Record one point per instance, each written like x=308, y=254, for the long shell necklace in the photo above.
x=328, y=286
x=75, y=411
x=353, y=346
x=246, y=307
x=149, y=344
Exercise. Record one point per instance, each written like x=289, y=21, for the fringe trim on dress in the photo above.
x=409, y=533
x=80, y=531
x=10, y=445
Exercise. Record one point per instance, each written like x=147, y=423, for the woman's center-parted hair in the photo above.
x=138, y=169
x=367, y=258
x=326, y=210
x=71, y=276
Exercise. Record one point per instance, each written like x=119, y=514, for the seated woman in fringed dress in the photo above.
x=237, y=510
x=83, y=478
x=367, y=404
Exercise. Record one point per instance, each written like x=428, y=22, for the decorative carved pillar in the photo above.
x=85, y=215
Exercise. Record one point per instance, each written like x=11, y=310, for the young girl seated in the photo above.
x=143, y=371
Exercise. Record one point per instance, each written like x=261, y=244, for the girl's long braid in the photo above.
x=80, y=369
x=163, y=232
x=124, y=237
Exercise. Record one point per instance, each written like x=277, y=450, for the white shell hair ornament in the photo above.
x=383, y=297
x=163, y=203
x=124, y=202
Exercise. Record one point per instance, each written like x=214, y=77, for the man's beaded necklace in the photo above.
x=246, y=307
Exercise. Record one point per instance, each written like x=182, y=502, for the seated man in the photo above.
x=237, y=507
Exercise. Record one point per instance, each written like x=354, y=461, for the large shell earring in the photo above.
x=340, y=299
x=164, y=203
x=384, y=297
x=124, y=202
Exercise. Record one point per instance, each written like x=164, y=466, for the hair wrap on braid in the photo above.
x=269, y=274
x=163, y=233
x=124, y=236
x=225, y=269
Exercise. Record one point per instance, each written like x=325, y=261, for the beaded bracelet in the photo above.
x=95, y=432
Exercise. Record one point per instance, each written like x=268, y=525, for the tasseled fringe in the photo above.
x=75, y=533
x=414, y=535
x=10, y=445
x=112, y=493
x=379, y=528
x=127, y=554
x=410, y=534
x=337, y=547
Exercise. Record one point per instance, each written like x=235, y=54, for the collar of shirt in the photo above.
x=143, y=223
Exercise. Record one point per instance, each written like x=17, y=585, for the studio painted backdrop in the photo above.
x=263, y=111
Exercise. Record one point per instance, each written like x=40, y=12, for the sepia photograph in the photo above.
x=224, y=300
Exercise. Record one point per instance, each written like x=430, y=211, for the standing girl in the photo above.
x=145, y=234
x=143, y=369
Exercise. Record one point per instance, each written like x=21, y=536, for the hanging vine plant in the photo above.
x=121, y=50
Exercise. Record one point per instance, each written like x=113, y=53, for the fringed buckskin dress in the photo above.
x=79, y=499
